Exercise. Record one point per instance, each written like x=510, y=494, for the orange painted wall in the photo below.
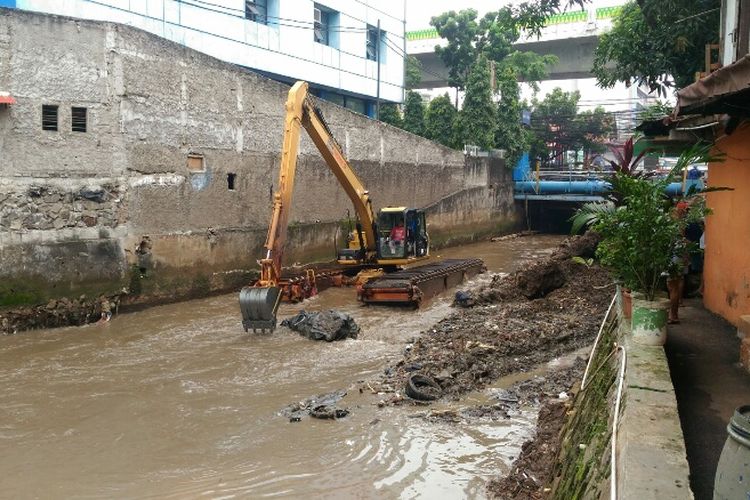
x=727, y=257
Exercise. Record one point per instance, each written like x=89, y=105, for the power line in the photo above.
x=301, y=25
x=221, y=9
x=223, y=37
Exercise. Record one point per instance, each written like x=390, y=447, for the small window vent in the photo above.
x=78, y=119
x=196, y=163
x=49, y=117
x=231, y=178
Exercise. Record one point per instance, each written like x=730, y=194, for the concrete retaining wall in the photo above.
x=123, y=206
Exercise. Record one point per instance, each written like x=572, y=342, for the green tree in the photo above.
x=414, y=113
x=510, y=134
x=558, y=127
x=491, y=36
x=413, y=74
x=593, y=129
x=390, y=114
x=551, y=122
x=659, y=43
x=439, y=119
x=477, y=119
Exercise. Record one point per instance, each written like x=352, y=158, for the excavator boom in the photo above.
x=260, y=302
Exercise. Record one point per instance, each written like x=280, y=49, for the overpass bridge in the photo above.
x=571, y=36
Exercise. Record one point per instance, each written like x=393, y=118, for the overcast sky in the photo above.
x=419, y=12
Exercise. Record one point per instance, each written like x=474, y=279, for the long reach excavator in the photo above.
x=398, y=236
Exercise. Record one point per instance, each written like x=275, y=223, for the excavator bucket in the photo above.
x=259, y=306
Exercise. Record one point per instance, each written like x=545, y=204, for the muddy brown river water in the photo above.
x=178, y=402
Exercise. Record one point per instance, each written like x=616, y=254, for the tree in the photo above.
x=413, y=72
x=551, y=121
x=558, y=127
x=510, y=134
x=390, y=114
x=477, y=119
x=414, y=113
x=439, y=119
x=491, y=36
x=659, y=43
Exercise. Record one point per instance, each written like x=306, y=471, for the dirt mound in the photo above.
x=507, y=332
x=58, y=313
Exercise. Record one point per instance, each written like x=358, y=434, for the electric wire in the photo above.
x=299, y=23
x=247, y=44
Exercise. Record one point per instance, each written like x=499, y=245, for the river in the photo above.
x=178, y=402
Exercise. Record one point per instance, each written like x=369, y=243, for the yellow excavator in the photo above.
x=396, y=237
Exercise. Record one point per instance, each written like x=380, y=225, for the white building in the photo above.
x=332, y=44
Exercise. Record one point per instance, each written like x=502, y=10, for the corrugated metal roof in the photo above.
x=706, y=95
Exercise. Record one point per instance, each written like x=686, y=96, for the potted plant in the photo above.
x=624, y=166
x=641, y=236
x=639, y=240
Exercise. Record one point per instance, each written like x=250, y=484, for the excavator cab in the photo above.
x=402, y=235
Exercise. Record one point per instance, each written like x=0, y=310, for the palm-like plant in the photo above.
x=625, y=169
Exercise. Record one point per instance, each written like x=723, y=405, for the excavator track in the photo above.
x=413, y=285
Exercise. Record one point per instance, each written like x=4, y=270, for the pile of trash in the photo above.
x=322, y=407
x=324, y=325
x=547, y=308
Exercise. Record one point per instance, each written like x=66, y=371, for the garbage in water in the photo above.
x=325, y=325
x=322, y=406
x=463, y=298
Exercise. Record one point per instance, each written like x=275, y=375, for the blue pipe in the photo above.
x=559, y=187
x=592, y=187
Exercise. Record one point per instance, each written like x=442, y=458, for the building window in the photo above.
x=49, y=117
x=324, y=29
x=196, y=162
x=78, y=119
x=257, y=11
x=230, y=181
x=372, y=43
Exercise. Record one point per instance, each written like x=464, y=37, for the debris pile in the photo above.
x=547, y=308
x=325, y=325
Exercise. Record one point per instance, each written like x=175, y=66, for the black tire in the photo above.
x=422, y=388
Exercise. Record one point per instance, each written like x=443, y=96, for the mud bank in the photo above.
x=545, y=309
x=59, y=312
x=515, y=323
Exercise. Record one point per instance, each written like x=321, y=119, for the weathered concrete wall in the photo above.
x=118, y=206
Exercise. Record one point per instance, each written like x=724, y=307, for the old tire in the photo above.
x=422, y=388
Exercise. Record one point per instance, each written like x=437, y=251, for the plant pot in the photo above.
x=627, y=303
x=649, y=320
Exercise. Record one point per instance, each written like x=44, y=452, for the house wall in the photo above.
x=118, y=208
x=727, y=257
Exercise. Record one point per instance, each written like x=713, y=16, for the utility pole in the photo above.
x=377, y=54
x=403, y=38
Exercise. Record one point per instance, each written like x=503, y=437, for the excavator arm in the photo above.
x=260, y=302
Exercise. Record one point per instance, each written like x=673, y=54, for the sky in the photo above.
x=419, y=12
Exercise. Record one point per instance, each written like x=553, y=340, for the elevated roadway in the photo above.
x=571, y=36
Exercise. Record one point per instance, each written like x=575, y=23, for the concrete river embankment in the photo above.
x=176, y=401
